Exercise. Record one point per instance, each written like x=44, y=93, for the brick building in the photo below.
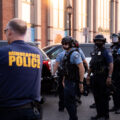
x=48, y=22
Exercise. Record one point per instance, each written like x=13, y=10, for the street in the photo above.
x=50, y=109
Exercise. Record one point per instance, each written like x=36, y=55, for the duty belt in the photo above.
x=28, y=105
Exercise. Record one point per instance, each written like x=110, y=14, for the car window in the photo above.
x=87, y=49
x=54, y=52
x=50, y=48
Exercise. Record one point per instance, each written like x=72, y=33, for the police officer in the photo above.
x=114, y=49
x=58, y=66
x=76, y=45
x=73, y=71
x=20, y=75
x=116, y=72
x=101, y=65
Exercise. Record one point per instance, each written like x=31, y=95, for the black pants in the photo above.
x=70, y=101
x=101, y=96
x=116, y=94
x=61, y=93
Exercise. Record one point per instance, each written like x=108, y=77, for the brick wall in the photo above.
x=44, y=22
x=7, y=11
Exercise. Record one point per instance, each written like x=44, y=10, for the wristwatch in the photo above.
x=109, y=76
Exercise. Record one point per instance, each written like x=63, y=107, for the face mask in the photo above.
x=99, y=45
x=66, y=48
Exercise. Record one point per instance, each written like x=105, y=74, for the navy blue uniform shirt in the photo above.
x=20, y=74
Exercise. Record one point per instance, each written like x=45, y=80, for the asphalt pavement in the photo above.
x=50, y=109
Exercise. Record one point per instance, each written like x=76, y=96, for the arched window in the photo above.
x=82, y=13
x=58, y=13
x=103, y=16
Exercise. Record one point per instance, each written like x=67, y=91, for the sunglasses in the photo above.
x=64, y=43
x=5, y=30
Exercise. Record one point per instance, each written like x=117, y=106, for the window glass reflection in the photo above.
x=58, y=13
x=103, y=15
x=82, y=13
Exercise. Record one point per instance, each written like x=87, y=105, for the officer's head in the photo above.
x=114, y=38
x=99, y=40
x=15, y=30
x=119, y=36
x=67, y=42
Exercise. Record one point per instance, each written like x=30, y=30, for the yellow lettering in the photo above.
x=38, y=63
x=19, y=61
x=27, y=54
x=29, y=61
x=11, y=60
x=24, y=62
x=10, y=53
x=33, y=62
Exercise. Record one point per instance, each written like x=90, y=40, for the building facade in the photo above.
x=48, y=20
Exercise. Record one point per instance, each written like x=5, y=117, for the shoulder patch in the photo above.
x=110, y=54
x=76, y=56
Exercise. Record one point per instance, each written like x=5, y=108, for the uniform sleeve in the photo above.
x=108, y=56
x=76, y=58
x=82, y=54
x=59, y=57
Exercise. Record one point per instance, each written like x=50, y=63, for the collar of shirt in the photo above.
x=17, y=41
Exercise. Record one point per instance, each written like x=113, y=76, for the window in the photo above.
x=103, y=16
x=28, y=1
x=119, y=16
x=58, y=13
x=82, y=13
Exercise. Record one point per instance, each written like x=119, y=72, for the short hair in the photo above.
x=18, y=26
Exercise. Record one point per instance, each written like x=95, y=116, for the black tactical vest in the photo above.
x=70, y=71
x=98, y=63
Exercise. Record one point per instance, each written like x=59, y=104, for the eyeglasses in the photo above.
x=64, y=43
x=5, y=30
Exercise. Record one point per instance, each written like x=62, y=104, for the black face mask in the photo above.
x=99, y=45
x=66, y=48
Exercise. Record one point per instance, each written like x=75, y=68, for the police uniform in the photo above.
x=70, y=86
x=81, y=54
x=116, y=76
x=20, y=74
x=99, y=66
x=59, y=59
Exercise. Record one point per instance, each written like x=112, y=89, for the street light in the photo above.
x=69, y=11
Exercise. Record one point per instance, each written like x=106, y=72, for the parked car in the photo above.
x=47, y=81
x=53, y=50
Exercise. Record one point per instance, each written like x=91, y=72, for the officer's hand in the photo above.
x=108, y=82
x=81, y=88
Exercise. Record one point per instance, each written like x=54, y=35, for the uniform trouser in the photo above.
x=61, y=93
x=101, y=96
x=70, y=101
x=116, y=94
x=20, y=114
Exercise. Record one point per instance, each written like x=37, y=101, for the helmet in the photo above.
x=114, y=38
x=75, y=43
x=99, y=37
x=67, y=40
x=119, y=35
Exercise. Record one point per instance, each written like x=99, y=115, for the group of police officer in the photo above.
x=103, y=72
x=20, y=75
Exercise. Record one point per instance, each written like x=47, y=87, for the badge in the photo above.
x=76, y=56
x=99, y=52
x=110, y=54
